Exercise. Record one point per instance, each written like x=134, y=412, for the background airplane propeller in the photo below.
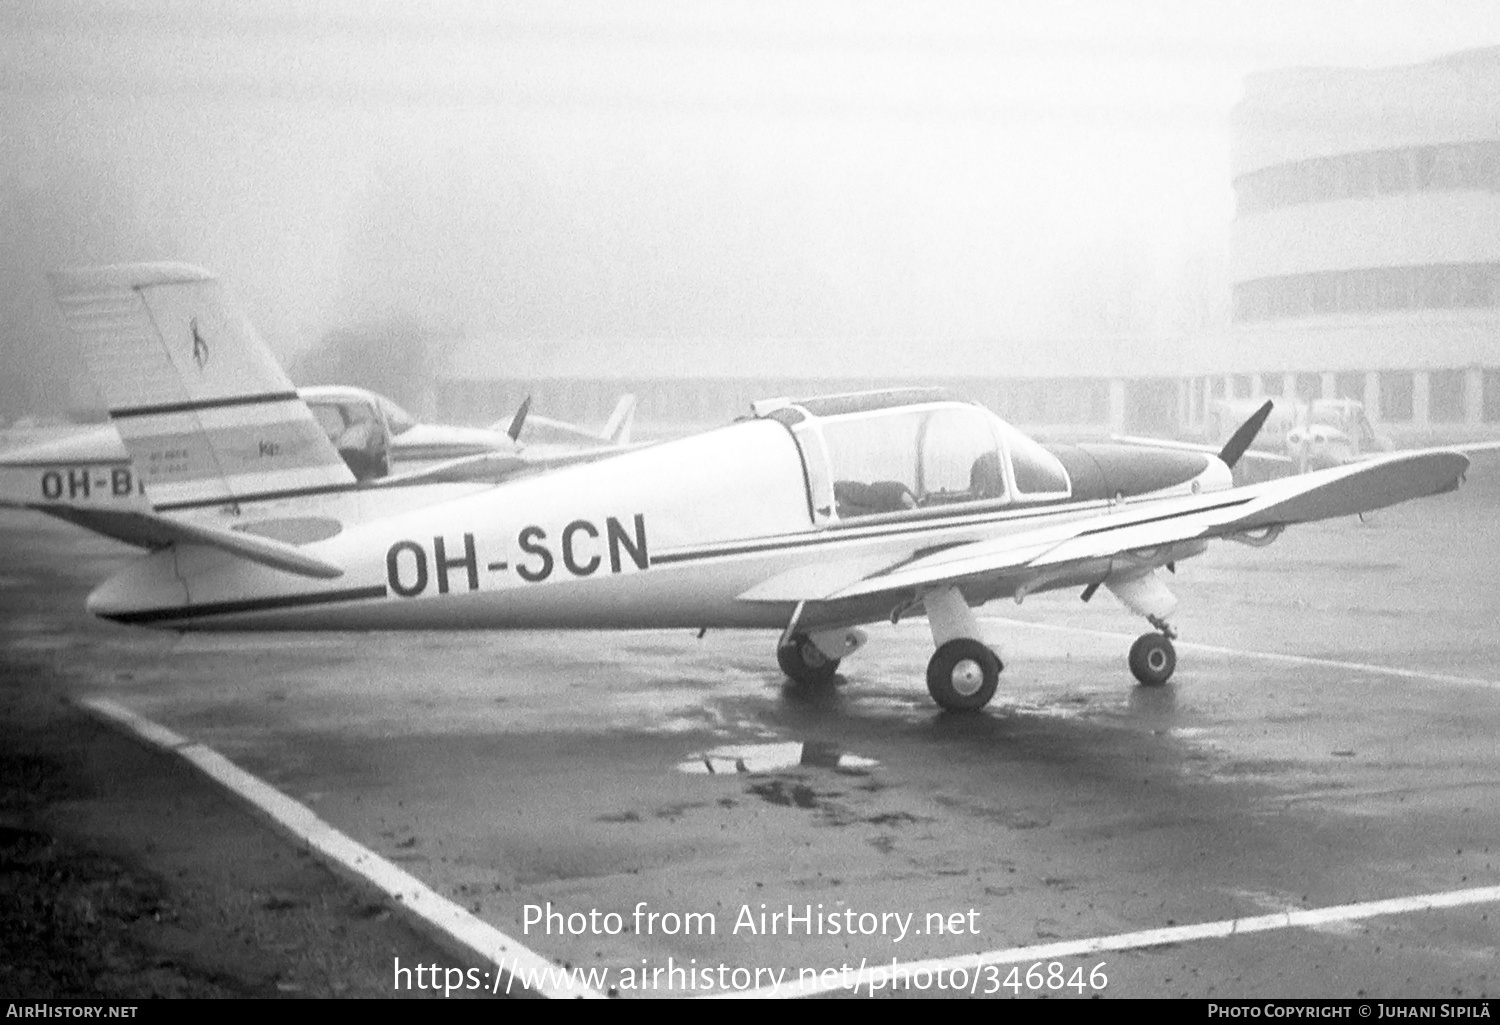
x=1241, y=439
x=520, y=420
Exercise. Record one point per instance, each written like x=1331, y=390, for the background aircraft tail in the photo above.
x=205, y=411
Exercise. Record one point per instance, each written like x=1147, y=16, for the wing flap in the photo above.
x=815, y=579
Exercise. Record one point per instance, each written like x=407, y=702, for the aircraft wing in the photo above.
x=1137, y=526
x=495, y=467
x=1193, y=446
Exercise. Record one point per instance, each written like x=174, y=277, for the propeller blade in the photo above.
x=519, y=420
x=1240, y=441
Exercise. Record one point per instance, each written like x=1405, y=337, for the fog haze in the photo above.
x=707, y=171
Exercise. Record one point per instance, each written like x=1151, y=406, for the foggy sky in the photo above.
x=693, y=170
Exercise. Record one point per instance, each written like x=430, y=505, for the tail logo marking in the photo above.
x=200, y=347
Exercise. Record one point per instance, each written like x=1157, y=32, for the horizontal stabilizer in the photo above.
x=145, y=530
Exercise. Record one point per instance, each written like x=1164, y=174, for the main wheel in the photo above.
x=803, y=662
x=963, y=675
x=1152, y=659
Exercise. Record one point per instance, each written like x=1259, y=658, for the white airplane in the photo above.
x=1301, y=436
x=810, y=517
x=375, y=437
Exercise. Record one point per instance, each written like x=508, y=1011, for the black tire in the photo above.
x=803, y=663
x=1153, y=659
x=963, y=675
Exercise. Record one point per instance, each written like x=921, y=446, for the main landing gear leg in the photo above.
x=1152, y=657
x=964, y=672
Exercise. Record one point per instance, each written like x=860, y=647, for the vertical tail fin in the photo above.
x=205, y=411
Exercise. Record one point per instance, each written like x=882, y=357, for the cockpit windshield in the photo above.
x=398, y=419
x=1037, y=471
x=892, y=461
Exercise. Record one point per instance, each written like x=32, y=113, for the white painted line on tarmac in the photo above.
x=526, y=972
x=886, y=977
x=1273, y=656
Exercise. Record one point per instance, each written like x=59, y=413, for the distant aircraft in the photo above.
x=374, y=435
x=811, y=516
x=1301, y=436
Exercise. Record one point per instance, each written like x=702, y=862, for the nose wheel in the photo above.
x=1153, y=659
x=802, y=661
x=963, y=675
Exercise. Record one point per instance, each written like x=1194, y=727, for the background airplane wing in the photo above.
x=1133, y=527
x=495, y=467
x=1253, y=454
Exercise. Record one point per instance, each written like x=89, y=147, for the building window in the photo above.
x=1349, y=386
x=1242, y=386
x=1369, y=290
x=1445, y=396
x=1395, y=395
x=1272, y=384
x=1309, y=387
x=1451, y=167
x=1490, y=406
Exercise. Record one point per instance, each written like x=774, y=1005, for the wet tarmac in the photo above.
x=1329, y=739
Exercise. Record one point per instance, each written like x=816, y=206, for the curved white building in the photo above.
x=1365, y=254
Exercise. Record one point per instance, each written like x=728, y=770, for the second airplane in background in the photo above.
x=89, y=467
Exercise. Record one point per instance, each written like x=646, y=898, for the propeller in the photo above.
x=519, y=420
x=1241, y=439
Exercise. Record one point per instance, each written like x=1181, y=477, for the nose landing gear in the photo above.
x=803, y=662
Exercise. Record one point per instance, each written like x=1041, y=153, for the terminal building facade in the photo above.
x=1365, y=250
x=1364, y=264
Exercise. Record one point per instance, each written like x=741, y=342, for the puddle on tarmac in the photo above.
x=770, y=757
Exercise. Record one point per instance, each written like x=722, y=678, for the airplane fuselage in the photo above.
x=691, y=533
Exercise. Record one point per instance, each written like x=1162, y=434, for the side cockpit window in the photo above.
x=911, y=459
x=358, y=433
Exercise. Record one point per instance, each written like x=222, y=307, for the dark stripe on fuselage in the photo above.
x=864, y=532
x=227, y=608
x=60, y=464
x=193, y=407
x=259, y=496
x=897, y=530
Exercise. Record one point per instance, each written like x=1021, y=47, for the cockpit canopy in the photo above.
x=912, y=450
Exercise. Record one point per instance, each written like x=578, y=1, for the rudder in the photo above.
x=205, y=411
